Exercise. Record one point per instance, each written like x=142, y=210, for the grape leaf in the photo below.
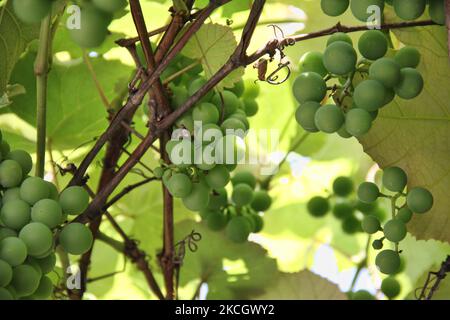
x=414, y=134
x=14, y=39
x=303, y=285
x=213, y=44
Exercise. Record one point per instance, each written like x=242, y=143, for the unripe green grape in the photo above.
x=388, y=261
x=329, y=118
x=390, y=287
x=339, y=58
x=366, y=208
x=318, y=206
x=53, y=192
x=342, y=132
x=407, y=57
x=5, y=273
x=93, y=28
x=216, y=220
x=15, y=214
x=386, y=71
x=380, y=213
x=305, y=115
x=409, y=10
x=198, y=199
x=5, y=294
x=368, y=192
x=32, y=11
x=339, y=36
x=218, y=199
x=179, y=96
x=37, y=237
x=238, y=229
x=312, y=61
x=242, y=194
x=74, y=200
x=10, y=173
x=206, y=113
x=252, y=89
x=34, y=189
x=394, y=179
x=373, y=44
x=351, y=225
x=25, y=280
x=205, y=213
x=186, y=121
x=258, y=222
x=48, y=212
x=196, y=85
x=410, y=85
x=377, y=244
x=238, y=88
x=369, y=95
x=359, y=8
x=370, y=224
x=404, y=214
x=244, y=177
x=13, y=251
x=44, y=290
x=75, y=238
x=334, y=8
x=309, y=86
x=261, y=200
x=179, y=185
x=218, y=177
x=436, y=9
x=343, y=186
x=233, y=125
x=6, y=233
x=32, y=262
x=158, y=172
x=47, y=264
x=251, y=107
x=227, y=101
x=110, y=6
x=389, y=96
x=229, y=150
x=343, y=210
x=23, y=158
x=419, y=200
x=241, y=117
x=358, y=122
x=362, y=294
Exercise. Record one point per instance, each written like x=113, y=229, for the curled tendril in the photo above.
x=191, y=242
x=273, y=77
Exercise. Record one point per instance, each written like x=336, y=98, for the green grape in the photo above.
x=216, y=221
x=389, y=96
x=218, y=199
x=186, y=121
x=53, y=192
x=309, y=86
x=244, y=177
x=13, y=251
x=205, y=213
x=409, y=10
x=238, y=229
x=233, y=125
x=251, y=222
x=206, y=113
x=359, y=8
x=343, y=186
x=388, y=261
x=34, y=189
x=48, y=212
x=179, y=185
x=230, y=149
x=158, y=172
x=25, y=280
x=195, y=85
x=318, y=206
x=386, y=71
x=377, y=244
x=218, y=177
x=305, y=115
x=373, y=44
x=343, y=210
x=436, y=9
x=339, y=58
x=251, y=89
x=358, y=122
x=32, y=262
x=370, y=224
x=339, y=36
x=362, y=294
x=394, y=179
x=6, y=233
x=37, y=237
x=238, y=88
x=229, y=104
x=23, y=158
x=75, y=238
x=334, y=8
x=32, y=11
x=242, y=194
x=366, y=208
x=198, y=199
x=329, y=118
x=44, y=290
x=179, y=96
x=110, y=6
x=342, y=132
x=404, y=214
x=47, y=264
x=369, y=95
x=402, y=265
x=93, y=28
x=410, y=85
x=5, y=273
x=419, y=200
x=258, y=222
x=10, y=174
x=241, y=117
x=368, y=192
x=5, y=294
x=15, y=214
x=312, y=61
x=261, y=201
x=380, y=213
x=74, y=200
x=181, y=152
x=407, y=57
x=390, y=287
x=351, y=225
x=251, y=107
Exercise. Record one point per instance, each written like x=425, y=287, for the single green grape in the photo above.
x=261, y=200
x=179, y=96
x=158, y=172
x=218, y=177
x=369, y=95
x=251, y=106
x=351, y=225
x=37, y=237
x=342, y=132
x=32, y=11
x=110, y=6
x=34, y=189
x=242, y=118
x=48, y=212
x=195, y=85
x=359, y=8
x=53, y=191
x=339, y=58
x=10, y=174
x=242, y=194
x=198, y=199
x=368, y=192
x=309, y=86
x=216, y=221
x=23, y=158
x=329, y=118
x=15, y=214
x=404, y=214
x=334, y=8
x=361, y=294
x=25, y=280
x=252, y=89
x=206, y=113
x=343, y=186
x=305, y=115
x=258, y=222
x=370, y=224
x=238, y=229
x=226, y=101
x=366, y=208
x=388, y=261
x=373, y=44
x=231, y=125
x=339, y=36
x=410, y=85
x=11, y=194
x=312, y=61
x=343, y=210
x=5, y=273
x=419, y=200
x=394, y=179
x=244, y=177
x=436, y=9
x=390, y=287
x=13, y=250
x=377, y=244
x=407, y=57
x=44, y=290
x=75, y=238
x=318, y=206
x=238, y=88
x=74, y=200
x=93, y=28
x=358, y=122
x=386, y=71
x=179, y=185
x=409, y=10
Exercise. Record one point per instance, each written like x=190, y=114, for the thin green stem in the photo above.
x=113, y=243
x=180, y=72
x=362, y=264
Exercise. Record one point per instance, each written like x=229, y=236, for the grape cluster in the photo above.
x=390, y=287
x=33, y=219
x=344, y=206
x=363, y=88
x=416, y=200
x=404, y=9
x=95, y=17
